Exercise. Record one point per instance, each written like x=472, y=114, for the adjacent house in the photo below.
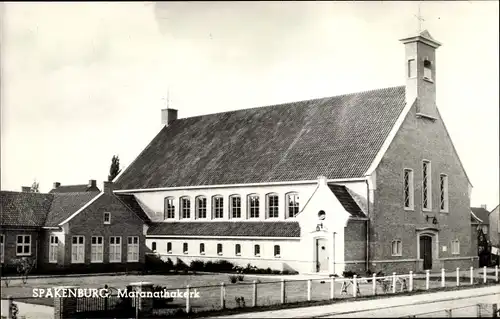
x=360, y=181
x=480, y=215
x=84, y=230
x=494, y=223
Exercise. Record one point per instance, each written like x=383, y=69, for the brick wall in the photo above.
x=10, y=240
x=355, y=241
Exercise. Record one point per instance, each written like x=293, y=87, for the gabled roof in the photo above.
x=131, y=202
x=226, y=229
x=24, y=209
x=74, y=189
x=482, y=214
x=337, y=137
x=345, y=198
x=66, y=204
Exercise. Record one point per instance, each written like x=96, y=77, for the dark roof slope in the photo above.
x=131, y=202
x=24, y=209
x=336, y=137
x=482, y=214
x=74, y=189
x=261, y=229
x=65, y=204
x=345, y=198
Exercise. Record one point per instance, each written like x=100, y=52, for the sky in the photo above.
x=83, y=81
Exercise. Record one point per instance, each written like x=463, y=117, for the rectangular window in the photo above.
x=2, y=248
x=426, y=186
x=272, y=206
x=253, y=206
x=219, y=249
x=408, y=189
x=412, y=68
x=237, y=250
x=78, y=249
x=96, y=249
x=185, y=248
x=23, y=246
x=133, y=249
x=256, y=250
x=236, y=207
x=185, y=208
x=397, y=248
x=277, y=251
x=153, y=246
x=115, y=249
x=202, y=249
x=201, y=207
x=169, y=248
x=218, y=207
x=107, y=218
x=443, y=186
x=169, y=210
x=455, y=247
x=53, y=248
x=293, y=204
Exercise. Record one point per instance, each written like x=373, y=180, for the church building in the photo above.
x=361, y=181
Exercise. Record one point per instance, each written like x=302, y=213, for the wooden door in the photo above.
x=426, y=251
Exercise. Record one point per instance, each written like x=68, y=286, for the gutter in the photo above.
x=367, y=225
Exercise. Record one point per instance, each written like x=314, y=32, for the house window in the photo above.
x=107, y=218
x=256, y=250
x=412, y=68
x=218, y=207
x=427, y=69
x=133, y=249
x=153, y=246
x=235, y=206
x=2, y=248
x=455, y=247
x=185, y=248
x=292, y=202
x=169, y=209
x=169, y=248
x=185, y=207
x=201, y=207
x=237, y=250
x=408, y=189
x=115, y=249
x=202, y=249
x=78, y=249
x=397, y=248
x=53, y=248
x=272, y=206
x=443, y=186
x=253, y=206
x=219, y=249
x=96, y=249
x=426, y=185
x=277, y=251
x=23, y=246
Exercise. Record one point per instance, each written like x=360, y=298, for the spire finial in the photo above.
x=167, y=98
x=419, y=18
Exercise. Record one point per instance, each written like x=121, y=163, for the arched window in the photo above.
x=272, y=206
x=169, y=208
x=253, y=206
x=169, y=248
x=201, y=207
x=185, y=207
x=292, y=204
x=235, y=206
x=218, y=206
x=277, y=251
x=237, y=249
x=202, y=249
x=185, y=248
x=256, y=250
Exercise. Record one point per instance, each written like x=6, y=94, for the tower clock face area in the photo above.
x=321, y=215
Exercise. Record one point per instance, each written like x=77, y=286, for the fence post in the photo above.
x=309, y=286
x=471, y=275
x=484, y=274
x=188, y=300
x=495, y=310
x=443, y=283
x=478, y=307
x=427, y=275
x=222, y=295
x=393, y=282
x=283, y=295
x=411, y=281
x=496, y=273
x=254, y=301
x=332, y=287
x=448, y=313
x=458, y=276
x=374, y=283
x=355, y=286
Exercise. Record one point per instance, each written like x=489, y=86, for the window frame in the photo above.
x=253, y=209
x=296, y=201
x=202, y=248
x=278, y=253
x=23, y=245
x=94, y=249
x=185, y=248
x=218, y=208
x=426, y=185
x=455, y=250
x=199, y=208
x=411, y=190
x=115, y=249
x=184, y=212
x=53, y=249
x=232, y=207
x=154, y=246
x=412, y=68
x=78, y=248
x=276, y=208
x=220, y=249
x=169, y=245
x=443, y=194
x=399, y=248
x=104, y=218
x=237, y=250
x=130, y=249
x=169, y=208
x=256, y=250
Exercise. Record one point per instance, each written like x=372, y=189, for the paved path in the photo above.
x=380, y=307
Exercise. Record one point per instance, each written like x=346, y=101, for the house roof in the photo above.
x=65, y=204
x=74, y=189
x=131, y=202
x=346, y=199
x=336, y=137
x=24, y=209
x=226, y=229
x=482, y=214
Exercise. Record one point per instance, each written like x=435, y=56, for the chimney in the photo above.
x=108, y=187
x=322, y=180
x=484, y=206
x=420, y=72
x=56, y=185
x=26, y=189
x=168, y=115
x=92, y=183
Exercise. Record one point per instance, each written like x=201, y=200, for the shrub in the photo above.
x=224, y=266
x=197, y=265
x=268, y=270
x=285, y=272
x=276, y=272
x=181, y=266
x=241, y=277
x=233, y=279
x=348, y=274
x=240, y=301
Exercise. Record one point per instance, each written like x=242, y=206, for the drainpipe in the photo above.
x=368, y=225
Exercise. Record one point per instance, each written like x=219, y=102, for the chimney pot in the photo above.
x=26, y=189
x=56, y=185
x=168, y=116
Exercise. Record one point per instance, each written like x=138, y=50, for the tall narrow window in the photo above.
x=218, y=204
x=169, y=209
x=2, y=248
x=201, y=207
x=107, y=218
x=96, y=249
x=185, y=248
x=253, y=206
x=426, y=185
x=272, y=206
x=169, y=248
x=256, y=250
x=153, y=246
x=185, y=208
x=115, y=249
x=202, y=249
x=219, y=249
x=23, y=246
x=397, y=248
x=412, y=68
x=277, y=251
x=78, y=249
x=443, y=186
x=427, y=69
x=408, y=189
x=53, y=249
x=455, y=247
x=237, y=249
x=292, y=202
x=133, y=249
x=235, y=206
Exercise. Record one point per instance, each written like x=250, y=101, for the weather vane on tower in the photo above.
x=419, y=18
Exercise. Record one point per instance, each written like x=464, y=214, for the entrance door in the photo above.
x=426, y=251
x=322, y=255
